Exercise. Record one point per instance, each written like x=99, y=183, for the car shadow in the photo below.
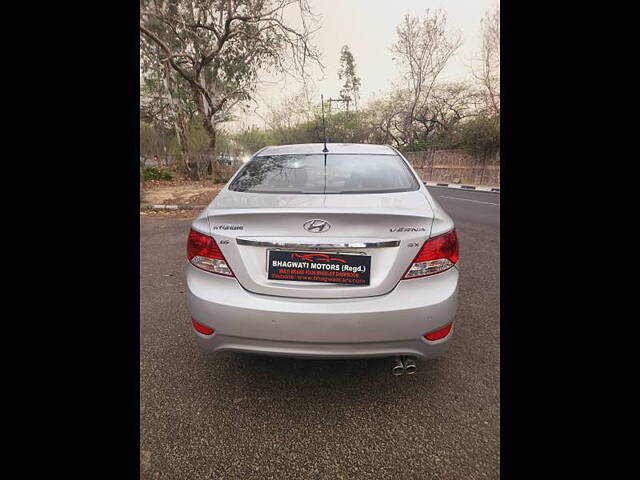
x=316, y=381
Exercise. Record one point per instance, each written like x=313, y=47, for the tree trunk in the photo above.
x=206, y=113
x=187, y=162
x=208, y=126
x=180, y=125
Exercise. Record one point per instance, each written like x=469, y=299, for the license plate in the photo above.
x=319, y=267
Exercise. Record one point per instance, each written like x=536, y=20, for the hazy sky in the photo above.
x=368, y=27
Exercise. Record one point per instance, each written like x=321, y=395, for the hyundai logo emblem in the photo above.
x=316, y=225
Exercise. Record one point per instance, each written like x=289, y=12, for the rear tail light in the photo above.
x=202, y=328
x=439, y=334
x=203, y=252
x=436, y=255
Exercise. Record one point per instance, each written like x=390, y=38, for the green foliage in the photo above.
x=348, y=127
x=150, y=141
x=479, y=136
x=342, y=127
x=253, y=139
x=153, y=173
x=476, y=134
x=449, y=120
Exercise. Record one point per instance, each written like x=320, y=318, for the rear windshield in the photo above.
x=319, y=173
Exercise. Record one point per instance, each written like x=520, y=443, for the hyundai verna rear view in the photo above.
x=337, y=254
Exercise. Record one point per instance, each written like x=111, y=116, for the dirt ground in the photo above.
x=176, y=192
x=169, y=213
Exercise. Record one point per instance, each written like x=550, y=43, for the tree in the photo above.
x=351, y=88
x=150, y=141
x=422, y=50
x=293, y=109
x=480, y=136
x=433, y=121
x=165, y=103
x=217, y=48
x=489, y=72
x=252, y=139
x=451, y=118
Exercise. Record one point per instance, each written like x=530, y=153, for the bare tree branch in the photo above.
x=423, y=49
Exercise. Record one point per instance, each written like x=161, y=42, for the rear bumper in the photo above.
x=386, y=325
x=417, y=348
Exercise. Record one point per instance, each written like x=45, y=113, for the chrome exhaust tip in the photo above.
x=410, y=365
x=398, y=367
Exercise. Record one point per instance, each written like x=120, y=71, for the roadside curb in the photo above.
x=172, y=207
x=463, y=187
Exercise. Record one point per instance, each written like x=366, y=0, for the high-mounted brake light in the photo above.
x=203, y=252
x=437, y=255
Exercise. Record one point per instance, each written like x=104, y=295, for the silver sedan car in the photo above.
x=324, y=252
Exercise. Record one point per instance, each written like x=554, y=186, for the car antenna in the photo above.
x=324, y=127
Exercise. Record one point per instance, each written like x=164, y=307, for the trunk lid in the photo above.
x=390, y=228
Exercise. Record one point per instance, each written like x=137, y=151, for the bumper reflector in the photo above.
x=439, y=334
x=202, y=328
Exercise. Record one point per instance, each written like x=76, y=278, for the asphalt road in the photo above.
x=241, y=416
x=468, y=206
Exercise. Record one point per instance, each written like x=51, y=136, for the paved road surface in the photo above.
x=250, y=417
x=469, y=206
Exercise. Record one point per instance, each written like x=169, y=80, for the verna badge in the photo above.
x=316, y=225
